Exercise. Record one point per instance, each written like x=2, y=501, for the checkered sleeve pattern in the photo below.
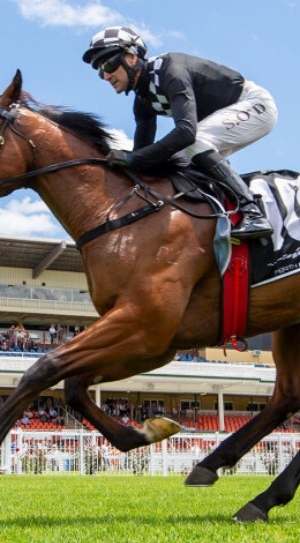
x=159, y=101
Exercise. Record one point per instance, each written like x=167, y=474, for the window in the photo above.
x=255, y=406
x=228, y=406
x=154, y=407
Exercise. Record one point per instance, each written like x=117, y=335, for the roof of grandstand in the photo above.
x=37, y=253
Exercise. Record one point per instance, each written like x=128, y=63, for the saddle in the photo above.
x=194, y=185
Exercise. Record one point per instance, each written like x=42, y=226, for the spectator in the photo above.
x=25, y=420
x=52, y=413
x=52, y=333
x=21, y=335
x=12, y=337
x=43, y=415
x=125, y=419
x=27, y=413
x=59, y=421
x=61, y=334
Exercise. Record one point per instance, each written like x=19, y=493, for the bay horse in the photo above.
x=155, y=283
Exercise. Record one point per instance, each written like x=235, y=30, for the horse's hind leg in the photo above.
x=284, y=402
x=280, y=492
x=124, y=438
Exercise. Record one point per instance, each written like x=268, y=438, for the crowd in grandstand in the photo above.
x=17, y=338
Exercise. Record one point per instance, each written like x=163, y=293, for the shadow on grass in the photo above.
x=44, y=521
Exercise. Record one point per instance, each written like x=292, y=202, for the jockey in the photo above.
x=216, y=112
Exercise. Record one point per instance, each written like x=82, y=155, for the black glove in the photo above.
x=119, y=159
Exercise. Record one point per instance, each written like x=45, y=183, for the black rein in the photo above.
x=110, y=224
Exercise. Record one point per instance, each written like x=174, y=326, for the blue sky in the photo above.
x=46, y=40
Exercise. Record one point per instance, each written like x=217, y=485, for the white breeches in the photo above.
x=230, y=129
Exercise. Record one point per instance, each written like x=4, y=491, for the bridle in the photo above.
x=155, y=201
x=9, y=118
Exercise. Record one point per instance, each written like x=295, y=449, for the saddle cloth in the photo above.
x=271, y=258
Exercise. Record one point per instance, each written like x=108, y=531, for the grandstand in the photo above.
x=42, y=283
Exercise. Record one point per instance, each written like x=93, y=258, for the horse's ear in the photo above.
x=17, y=83
x=13, y=91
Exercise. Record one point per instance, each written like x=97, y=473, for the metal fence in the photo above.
x=81, y=452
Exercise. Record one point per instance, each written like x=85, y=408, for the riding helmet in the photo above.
x=112, y=40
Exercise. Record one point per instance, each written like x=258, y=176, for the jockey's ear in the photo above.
x=131, y=59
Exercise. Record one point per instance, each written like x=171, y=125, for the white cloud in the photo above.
x=64, y=13
x=60, y=12
x=27, y=218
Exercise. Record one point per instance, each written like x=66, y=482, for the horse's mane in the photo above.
x=90, y=127
x=85, y=125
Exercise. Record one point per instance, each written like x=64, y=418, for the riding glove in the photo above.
x=119, y=159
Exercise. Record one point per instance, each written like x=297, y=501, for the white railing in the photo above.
x=81, y=452
x=62, y=307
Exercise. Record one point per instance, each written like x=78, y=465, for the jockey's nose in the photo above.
x=106, y=76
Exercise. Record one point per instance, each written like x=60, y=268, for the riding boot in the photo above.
x=253, y=223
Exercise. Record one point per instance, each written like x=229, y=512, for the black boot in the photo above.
x=253, y=223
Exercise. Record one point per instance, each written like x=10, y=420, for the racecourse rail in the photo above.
x=81, y=452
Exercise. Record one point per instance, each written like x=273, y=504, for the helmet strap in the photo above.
x=131, y=72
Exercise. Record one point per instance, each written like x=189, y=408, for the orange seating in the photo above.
x=36, y=424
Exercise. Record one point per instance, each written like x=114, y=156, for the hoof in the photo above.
x=159, y=428
x=250, y=513
x=201, y=477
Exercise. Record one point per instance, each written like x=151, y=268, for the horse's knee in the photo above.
x=286, y=400
x=73, y=391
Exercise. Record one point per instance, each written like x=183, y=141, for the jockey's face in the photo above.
x=119, y=78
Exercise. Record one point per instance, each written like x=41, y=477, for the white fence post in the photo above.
x=18, y=451
x=6, y=455
x=151, y=459
x=164, y=451
x=81, y=458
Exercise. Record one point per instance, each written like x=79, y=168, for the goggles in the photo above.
x=110, y=65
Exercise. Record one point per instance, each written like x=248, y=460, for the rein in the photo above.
x=109, y=224
x=53, y=168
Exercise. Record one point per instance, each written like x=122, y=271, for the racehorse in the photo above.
x=152, y=277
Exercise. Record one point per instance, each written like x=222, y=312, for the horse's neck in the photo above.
x=79, y=196
x=73, y=198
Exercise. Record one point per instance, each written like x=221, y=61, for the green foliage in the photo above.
x=119, y=509
x=34, y=462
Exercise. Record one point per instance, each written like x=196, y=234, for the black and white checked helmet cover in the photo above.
x=115, y=37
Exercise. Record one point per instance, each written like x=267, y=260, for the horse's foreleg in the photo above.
x=38, y=377
x=231, y=450
x=112, y=348
x=124, y=438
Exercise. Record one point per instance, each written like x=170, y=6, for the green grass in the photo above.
x=116, y=509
